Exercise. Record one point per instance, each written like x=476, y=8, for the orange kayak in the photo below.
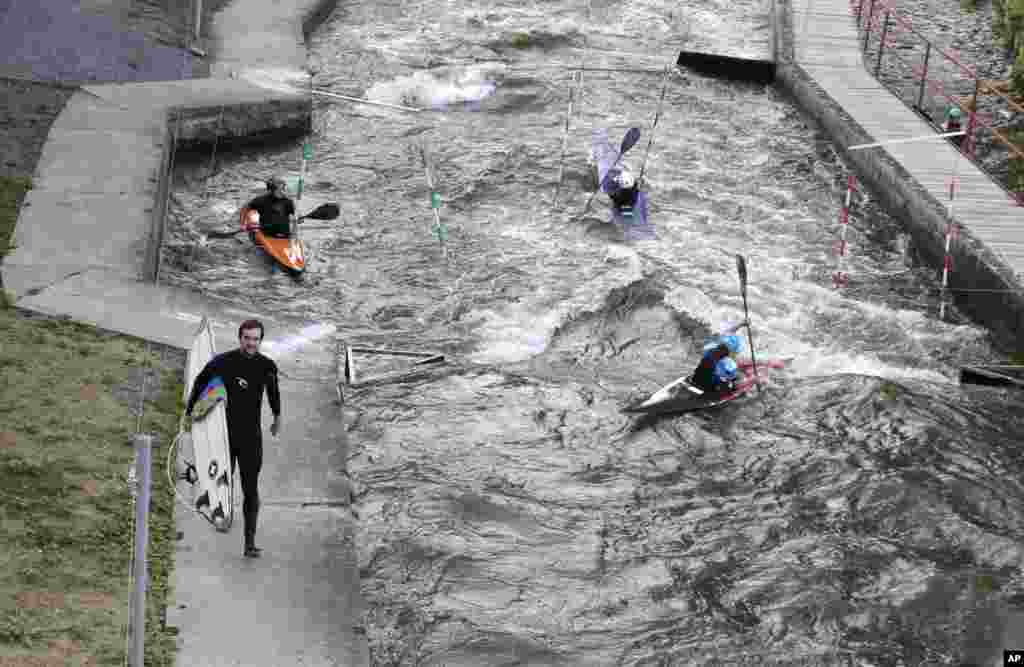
x=289, y=253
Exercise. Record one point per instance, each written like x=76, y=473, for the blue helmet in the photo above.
x=732, y=342
x=726, y=370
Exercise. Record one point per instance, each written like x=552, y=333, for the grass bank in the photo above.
x=71, y=397
x=12, y=192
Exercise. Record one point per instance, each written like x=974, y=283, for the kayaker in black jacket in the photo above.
x=275, y=209
x=623, y=189
x=246, y=373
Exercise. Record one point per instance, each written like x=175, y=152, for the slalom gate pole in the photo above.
x=947, y=262
x=577, y=77
x=741, y=269
x=307, y=152
x=565, y=140
x=840, y=278
x=654, y=126
x=435, y=204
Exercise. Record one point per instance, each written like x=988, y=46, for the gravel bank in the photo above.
x=966, y=36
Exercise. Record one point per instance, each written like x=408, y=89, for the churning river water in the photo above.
x=864, y=509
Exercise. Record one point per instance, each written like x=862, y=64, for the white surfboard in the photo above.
x=209, y=436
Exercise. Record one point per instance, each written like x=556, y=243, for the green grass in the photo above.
x=12, y=190
x=65, y=508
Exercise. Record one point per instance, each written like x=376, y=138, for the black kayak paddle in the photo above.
x=322, y=212
x=741, y=267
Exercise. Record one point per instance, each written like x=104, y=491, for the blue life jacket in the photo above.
x=715, y=369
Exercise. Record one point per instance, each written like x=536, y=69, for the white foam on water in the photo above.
x=436, y=90
x=224, y=210
x=515, y=333
x=305, y=336
x=523, y=329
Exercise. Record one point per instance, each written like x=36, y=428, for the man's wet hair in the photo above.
x=250, y=324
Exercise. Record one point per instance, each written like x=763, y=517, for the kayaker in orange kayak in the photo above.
x=275, y=210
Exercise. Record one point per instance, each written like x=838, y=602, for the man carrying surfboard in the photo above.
x=245, y=374
x=274, y=210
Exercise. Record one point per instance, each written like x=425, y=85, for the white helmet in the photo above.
x=625, y=179
x=253, y=217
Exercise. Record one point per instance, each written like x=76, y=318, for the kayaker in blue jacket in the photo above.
x=717, y=370
x=275, y=210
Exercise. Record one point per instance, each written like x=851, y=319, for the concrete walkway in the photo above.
x=87, y=240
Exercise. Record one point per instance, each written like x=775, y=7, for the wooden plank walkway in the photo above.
x=826, y=46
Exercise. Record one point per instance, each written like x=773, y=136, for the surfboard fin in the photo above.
x=190, y=476
x=203, y=501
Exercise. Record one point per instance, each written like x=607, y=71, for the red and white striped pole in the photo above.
x=947, y=263
x=839, y=278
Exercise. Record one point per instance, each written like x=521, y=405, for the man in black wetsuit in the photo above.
x=246, y=373
x=276, y=210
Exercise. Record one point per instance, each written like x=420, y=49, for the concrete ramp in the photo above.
x=728, y=67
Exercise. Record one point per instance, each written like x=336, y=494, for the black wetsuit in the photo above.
x=274, y=214
x=704, y=376
x=244, y=379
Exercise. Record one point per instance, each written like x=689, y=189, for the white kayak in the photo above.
x=679, y=396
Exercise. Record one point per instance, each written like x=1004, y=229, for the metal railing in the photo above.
x=931, y=80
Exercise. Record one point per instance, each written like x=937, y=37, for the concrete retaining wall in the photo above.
x=229, y=126
x=151, y=266
x=925, y=219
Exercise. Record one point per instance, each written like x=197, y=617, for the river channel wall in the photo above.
x=191, y=130
x=996, y=299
